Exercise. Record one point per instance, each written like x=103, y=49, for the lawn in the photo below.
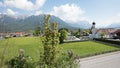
x=33, y=46
x=29, y=44
x=89, y=48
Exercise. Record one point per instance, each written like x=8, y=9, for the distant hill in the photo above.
x=81, y=24
x=12, y=24
x=114, y=25
x=27, y=23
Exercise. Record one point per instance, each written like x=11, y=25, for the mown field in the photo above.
x=33, y=47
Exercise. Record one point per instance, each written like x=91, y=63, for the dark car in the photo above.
x=116, y=37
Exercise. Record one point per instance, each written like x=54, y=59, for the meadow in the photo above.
x=33, y=46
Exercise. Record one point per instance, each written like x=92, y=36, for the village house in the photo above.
x=18, y=34
x=12, y=34
x=71, y=37
x=116, y=34
x=1, y=35
x=108, y=32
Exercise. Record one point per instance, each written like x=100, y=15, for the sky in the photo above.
x=103, y=12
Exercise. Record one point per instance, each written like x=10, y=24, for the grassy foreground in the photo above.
x=33, y=46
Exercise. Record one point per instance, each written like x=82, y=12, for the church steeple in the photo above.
x=93, y=31
x=93, y=25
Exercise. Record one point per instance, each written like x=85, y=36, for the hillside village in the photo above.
x=108, y=33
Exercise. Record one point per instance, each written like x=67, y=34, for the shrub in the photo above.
x=65, y=60
x=21, y=61
x=68, y=60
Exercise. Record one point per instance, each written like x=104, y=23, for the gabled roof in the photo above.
x=106, y=30
x=117, y=31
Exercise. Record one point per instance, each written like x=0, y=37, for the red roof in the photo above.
x=107, y=31
x=117, y=31
x=19, y=32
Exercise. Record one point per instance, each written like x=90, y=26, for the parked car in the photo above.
x=116, y=37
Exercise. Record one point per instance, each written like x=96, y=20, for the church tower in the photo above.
x=93, y=31
x=93, y=26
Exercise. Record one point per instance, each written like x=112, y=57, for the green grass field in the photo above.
x=88, y=48
x=33, y=46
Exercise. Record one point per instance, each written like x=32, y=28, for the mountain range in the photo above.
x=81, y=24
x=27, y=23
x=114, y=25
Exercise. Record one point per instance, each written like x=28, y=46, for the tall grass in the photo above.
x=3, y=53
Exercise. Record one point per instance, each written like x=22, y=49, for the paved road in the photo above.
x=111, y=60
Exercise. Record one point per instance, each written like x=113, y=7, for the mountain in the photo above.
x=12, y=24
x=27, y=23
x=82, y=24
x=114, y=25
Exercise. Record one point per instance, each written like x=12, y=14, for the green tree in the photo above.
x=78, y=33
x=63, y=29
x=63, y=35
x=102, y=35
x=37, y=31
x=79, y=30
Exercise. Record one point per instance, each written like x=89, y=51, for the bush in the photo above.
x=65, y=60
x=21, y=61
x=68, y=60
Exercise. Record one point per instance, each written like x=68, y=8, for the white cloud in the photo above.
x=38, y=13
x=1, y=4
x=21, y=4
x=10, y=12
x=24, y=4
x=39, y=3
x=69, y=12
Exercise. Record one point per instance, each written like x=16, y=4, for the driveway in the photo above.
x=110, y=60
